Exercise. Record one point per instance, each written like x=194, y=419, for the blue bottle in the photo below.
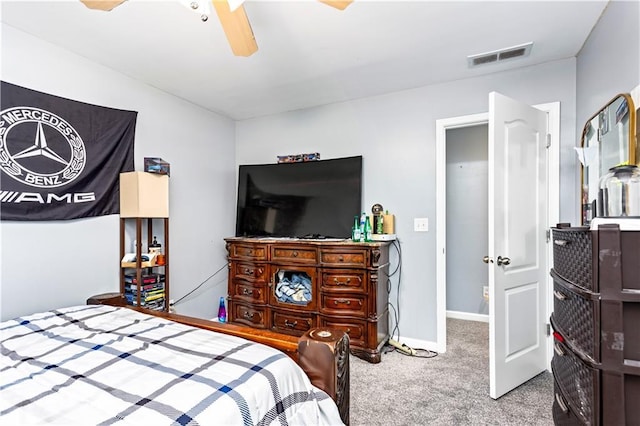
x=222, y=311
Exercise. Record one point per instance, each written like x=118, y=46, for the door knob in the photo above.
x=487, y=259
x=503, y=261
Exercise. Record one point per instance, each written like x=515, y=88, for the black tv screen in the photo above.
x=314, y=199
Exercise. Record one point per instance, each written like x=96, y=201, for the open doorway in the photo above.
x=467, y=216
x=552, y=215
x=467, y=292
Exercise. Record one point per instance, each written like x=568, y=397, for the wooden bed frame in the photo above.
x=322, y=353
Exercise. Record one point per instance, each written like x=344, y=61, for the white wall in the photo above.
x=395, y=133
x=52, y=264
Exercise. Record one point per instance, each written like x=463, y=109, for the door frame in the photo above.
x=553, y=213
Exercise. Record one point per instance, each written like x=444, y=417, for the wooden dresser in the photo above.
x=596, y=322
x=290, y=286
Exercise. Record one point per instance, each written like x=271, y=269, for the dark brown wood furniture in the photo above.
x=139, y=269
x=596, y=322
x=111, y=299
x=348, y=288
x=322, y=353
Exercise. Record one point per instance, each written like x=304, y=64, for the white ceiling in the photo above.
x=309, y=53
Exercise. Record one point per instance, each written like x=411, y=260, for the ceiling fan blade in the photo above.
x=237, y=28
x=105, y=5
x=342, y=5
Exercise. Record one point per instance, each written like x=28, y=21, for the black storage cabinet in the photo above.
x=596, y=323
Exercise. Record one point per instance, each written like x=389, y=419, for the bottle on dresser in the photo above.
x=367, y=230
x=355, y=231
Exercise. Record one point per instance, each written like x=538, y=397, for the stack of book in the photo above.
x=152, y=295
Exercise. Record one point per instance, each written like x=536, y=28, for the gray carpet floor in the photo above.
x=450, y=389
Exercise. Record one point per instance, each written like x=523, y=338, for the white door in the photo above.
x=517, y=243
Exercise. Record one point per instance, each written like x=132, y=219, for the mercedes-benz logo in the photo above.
x=53, y=168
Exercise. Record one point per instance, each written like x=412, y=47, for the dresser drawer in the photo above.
x=343, y=280
x=357, y=330
x=294, y=323
x=576, y=315
x=247, y=251
x=561, y=410
x=289, y=254
x=354, y=258
x=337, y=304
x=573, y=256
x=255, y=316
x=293, y=287
x=579, y=383
x=249, y=292
x=250, y=271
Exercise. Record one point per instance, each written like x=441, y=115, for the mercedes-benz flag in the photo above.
x=59, y=158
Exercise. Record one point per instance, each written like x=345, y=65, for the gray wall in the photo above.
x=467, y=154
x=46, y=265
x=609, y=61
x=395, y=133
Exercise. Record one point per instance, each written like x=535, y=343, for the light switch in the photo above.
x=421, y=224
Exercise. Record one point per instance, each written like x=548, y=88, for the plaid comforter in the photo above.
x=106, y=365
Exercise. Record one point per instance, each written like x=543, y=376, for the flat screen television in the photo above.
x=314, y=199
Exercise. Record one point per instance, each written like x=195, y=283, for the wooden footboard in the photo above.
x=322, y=353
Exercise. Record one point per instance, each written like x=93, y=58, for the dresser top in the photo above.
x=347, y=242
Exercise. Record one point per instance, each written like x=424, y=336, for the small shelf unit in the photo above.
x=135, y=276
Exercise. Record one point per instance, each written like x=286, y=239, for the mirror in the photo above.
x=608, y=140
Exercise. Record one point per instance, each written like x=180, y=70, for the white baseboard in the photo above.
x=418, y=343
x=468, y=316
x=433, y=346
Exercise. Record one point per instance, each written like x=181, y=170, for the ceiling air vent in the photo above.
x=509, y=53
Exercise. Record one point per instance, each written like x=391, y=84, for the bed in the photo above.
x=103, y=364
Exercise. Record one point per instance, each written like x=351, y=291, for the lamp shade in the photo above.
x=144, y=194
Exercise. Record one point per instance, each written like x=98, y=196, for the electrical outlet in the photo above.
x=485, y=292
x=421, y=224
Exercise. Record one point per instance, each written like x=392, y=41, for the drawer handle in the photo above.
x=249, y=315
x=348, y=302
x=561, y=403
x=295, y=254
x=561, y=242
x=559, y=295
x=247, y=292
x=290, y=324
x=250, y=252
x=338, y=282
x=557, y=350
x=341, y=258
x=248, y=271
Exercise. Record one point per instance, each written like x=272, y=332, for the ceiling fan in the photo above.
x=234, y=21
